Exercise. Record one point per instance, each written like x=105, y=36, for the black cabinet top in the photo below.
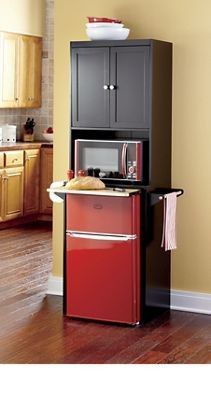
x=115, y=43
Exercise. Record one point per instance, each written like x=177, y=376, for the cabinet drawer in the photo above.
x=13, y=158
x=1, y=160
x=103, y=214
x=31, y=152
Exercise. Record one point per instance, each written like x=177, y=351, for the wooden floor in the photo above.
x=33, y=330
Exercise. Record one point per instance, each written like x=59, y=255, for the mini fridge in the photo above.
x=103, y=256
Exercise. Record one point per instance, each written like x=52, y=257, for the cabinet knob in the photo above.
x=16, y=99
x=106, y=87
x=112, y=87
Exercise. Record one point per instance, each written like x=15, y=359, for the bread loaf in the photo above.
x=85, y=183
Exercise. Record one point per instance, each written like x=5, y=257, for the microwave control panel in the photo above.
x=131, y=169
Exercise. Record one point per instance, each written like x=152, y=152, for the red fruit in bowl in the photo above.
x=49, y=130
x=104, y=19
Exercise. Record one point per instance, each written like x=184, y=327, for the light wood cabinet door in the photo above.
x=1, y=196
x=30, y=49
x=32, y=182
x=2, y=159
x=13, y=158
x=20, y=70
x=9, y=64
x=13, y=192
x=46, y=179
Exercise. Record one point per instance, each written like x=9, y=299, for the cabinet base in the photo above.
x=25, y=220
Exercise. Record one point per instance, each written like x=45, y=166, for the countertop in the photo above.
x=103, y=192
x=24, y=145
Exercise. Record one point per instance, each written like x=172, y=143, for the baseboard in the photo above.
x=180, y=300
x=55, y=285
x=191, y=301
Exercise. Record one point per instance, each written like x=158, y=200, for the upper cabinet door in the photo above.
x=30, y=71
x=129, y=93
x=34, y=72
x=20, y=70
x=9, y=60
x=90, y=87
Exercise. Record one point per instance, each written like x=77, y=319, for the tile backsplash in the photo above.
x=43, y=116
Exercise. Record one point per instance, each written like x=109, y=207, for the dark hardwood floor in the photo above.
x=33, y=329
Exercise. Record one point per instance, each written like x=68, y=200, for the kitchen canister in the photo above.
x=8, y=133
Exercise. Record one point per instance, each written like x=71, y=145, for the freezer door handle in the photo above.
x=117, y=238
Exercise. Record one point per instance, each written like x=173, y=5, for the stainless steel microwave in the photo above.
x=112, y=159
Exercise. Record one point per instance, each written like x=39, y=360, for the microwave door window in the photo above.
x=104, y=161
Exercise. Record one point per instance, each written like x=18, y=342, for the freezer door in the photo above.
x=103, y=278
x=103, y=214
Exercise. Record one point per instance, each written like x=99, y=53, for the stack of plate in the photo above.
x=101, y=28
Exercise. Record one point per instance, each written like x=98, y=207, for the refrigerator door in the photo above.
x=102, y=278
x=103, y=214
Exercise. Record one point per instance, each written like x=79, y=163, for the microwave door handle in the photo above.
x=125, y=160
x=122, y=159
x=76, y=166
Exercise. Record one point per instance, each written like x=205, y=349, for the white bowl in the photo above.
x=107, y=33
x=48, y=137
x=104, y=25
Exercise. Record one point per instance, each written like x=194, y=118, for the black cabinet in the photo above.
x=90, y=101
x=110, y=87
x=122, y=89
x=129, y=100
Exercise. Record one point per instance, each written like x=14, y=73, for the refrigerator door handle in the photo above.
x=118, y=238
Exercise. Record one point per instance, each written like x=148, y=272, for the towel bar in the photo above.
x=179, y=193
x=160, y=194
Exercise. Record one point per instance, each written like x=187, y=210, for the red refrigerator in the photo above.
x=103, y=256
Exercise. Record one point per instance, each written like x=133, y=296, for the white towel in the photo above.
x=169, y=221
x=52, y=195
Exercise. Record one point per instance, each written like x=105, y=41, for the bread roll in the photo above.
x=85, y=183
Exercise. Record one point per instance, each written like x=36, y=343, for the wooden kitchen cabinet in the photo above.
x=1, y=196
x=30, y=49
x=20, y=70
x=110, y=86
x=25, y=175
x=2, y=160
x=9, y=45
x=46, y=179
x=13, y=158
x=13, y=184
x=32, y=181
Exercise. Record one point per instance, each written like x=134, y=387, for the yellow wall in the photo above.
x=187, y=24
x=22, y=16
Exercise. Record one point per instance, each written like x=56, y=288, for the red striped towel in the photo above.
x=169, y=221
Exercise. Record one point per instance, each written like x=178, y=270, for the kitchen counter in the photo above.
x=24, y=145
x=103, y=192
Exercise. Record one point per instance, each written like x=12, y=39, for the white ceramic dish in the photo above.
x=104, y=25
x=48, y=137
x=107, y=33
